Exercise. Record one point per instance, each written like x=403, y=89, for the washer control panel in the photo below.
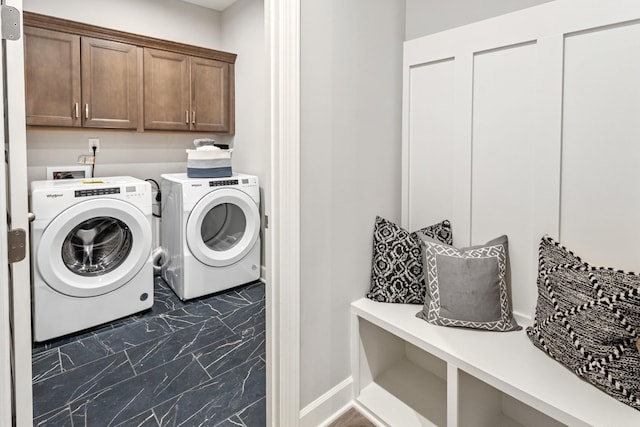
x=97, y=192
x=131, y=191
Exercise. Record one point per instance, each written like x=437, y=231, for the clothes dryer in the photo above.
x=91, y=247
x=210, y=233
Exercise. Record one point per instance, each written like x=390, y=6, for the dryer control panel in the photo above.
x=223, y=183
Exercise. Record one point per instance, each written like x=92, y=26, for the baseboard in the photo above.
x=368, y=415
x=329, y=406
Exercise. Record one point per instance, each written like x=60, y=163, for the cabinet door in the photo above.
x=166, y=90
x=52, y=77
x=109, y=84
x=212, y=108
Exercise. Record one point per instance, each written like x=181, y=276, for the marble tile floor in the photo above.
x=194, y=363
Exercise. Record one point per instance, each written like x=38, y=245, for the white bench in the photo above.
x=408, y=372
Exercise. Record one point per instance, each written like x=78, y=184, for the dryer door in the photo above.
x=223, y=227
x=94, y=247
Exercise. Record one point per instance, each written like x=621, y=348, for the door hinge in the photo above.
x=10, y=21
x=17, y=242
x=266, y=221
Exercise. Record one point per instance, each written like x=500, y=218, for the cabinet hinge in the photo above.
x=17, y=243
x=10, y=21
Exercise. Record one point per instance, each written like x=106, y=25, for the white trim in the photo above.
x=328, y=407
x=283, y=315
x=368, y=415
x=21, y=271
x=6, y=387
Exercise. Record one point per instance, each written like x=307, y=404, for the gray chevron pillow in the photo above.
x=588, y=319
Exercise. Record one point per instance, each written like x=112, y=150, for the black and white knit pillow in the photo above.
x=396, y=271
x=588, y=319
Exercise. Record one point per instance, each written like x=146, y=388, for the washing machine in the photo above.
x=91, y=249
x=210, y=233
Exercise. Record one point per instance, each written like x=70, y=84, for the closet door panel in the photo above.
x=431, y=103
x=503, y=174
x=600, y=207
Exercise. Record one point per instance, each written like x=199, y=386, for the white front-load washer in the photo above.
x=91, y=248
x=210, y=233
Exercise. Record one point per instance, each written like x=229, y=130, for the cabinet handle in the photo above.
x=193, y=117
x=86, y=111
x=77, y=110
x=186, y=117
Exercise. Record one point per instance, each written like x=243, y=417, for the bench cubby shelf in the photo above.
x=410, y=373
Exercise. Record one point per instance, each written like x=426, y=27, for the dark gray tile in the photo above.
x=215, y=400
x=245, y=317
x=146, y=419
x=231, y=352
x=58, y=342
x=253, y=416
x=81, y=352
x=40, y=347
x=254, y=292
x=226, y=302
x=188, y=315
x=136, y=395
x=59, y=391
x=45, y=365
x=117, y=323
x=254, y=329
x=164, y=300
x=170, y=347
x=61, y=418
x=77, y=336
x=130, y=335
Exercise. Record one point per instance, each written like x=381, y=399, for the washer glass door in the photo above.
x=223, y=227
x=94, y=247
x=97, y=246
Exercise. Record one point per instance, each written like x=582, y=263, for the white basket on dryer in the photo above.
x=208, y=160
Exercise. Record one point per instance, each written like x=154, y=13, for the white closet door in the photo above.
x=600, y=207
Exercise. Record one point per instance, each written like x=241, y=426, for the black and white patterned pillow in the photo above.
x=396, y=271
x=588, y=319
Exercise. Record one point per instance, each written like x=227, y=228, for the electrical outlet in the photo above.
x=94, y=142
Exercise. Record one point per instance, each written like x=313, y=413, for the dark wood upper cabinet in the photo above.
x=183, y=92
x=109, y=84
x=52, y=74
x=166, y=90
x=212, y=96
x=82, y=75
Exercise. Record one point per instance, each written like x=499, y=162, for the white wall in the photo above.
x=351, y=61
x=430, y=16
x=164, y=19
x=243, y=32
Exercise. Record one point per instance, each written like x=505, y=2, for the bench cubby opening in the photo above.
x=402, y=384
x=482, y=405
